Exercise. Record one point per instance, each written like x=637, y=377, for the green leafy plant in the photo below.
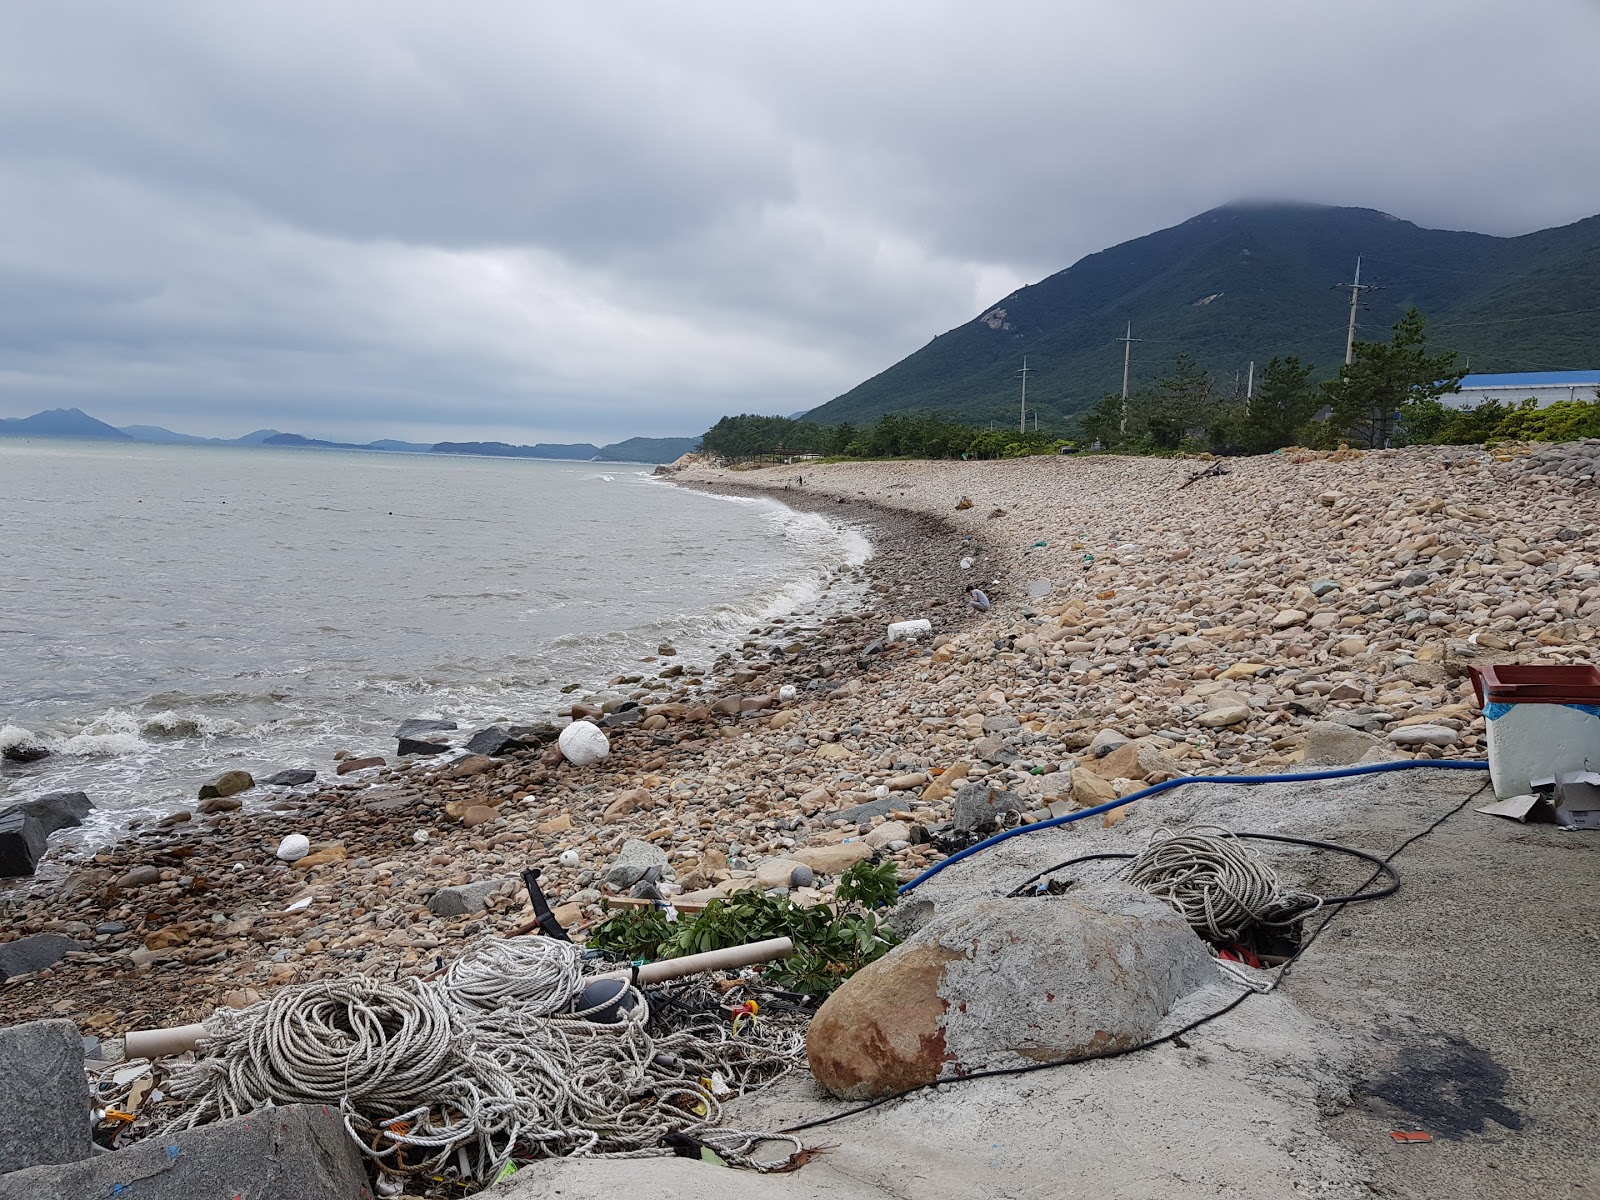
x=832, y=941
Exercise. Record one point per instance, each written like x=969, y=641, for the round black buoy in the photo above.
x=606, y=1001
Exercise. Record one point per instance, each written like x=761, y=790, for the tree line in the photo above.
x=1387, y=395
x=895, y=435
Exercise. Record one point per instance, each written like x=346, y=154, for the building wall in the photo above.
x=1470, y=397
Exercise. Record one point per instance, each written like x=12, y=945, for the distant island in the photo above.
x=74, y=423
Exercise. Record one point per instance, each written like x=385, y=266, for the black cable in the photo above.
x=1283, y=973
x=1354, y=898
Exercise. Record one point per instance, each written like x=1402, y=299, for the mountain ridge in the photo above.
x=75, y=423
x=1246, y=282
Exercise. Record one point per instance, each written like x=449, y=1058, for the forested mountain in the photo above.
x=1247, y=282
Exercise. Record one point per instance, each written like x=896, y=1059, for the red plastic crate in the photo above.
x=1512, y=684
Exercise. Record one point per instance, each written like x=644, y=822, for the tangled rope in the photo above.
x=538, y=974
x=1220, y=885
x=460, y=1075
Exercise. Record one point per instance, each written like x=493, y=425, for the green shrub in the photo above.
x=832, y=942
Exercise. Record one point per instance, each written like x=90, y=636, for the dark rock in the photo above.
x=978, y=808
x=293, y=777
x=417, y=726
x=495, y=741
x=295, y=1152
x=44, y=1100
x=993, y=751
x=860, y=814
x=34, y=953
x=227, y=784
x=26, y=752
x=623, y=716
x=633, y=863
x=463, y=899
x=421, y=746
x=25, y=827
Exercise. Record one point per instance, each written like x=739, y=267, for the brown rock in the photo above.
x=942, y=788
x=227, y=784
x=558, y=824
x=625, y=804
x=473, y=764
x=321, y=858
x=218, y=804
x=358, y=764
x=1090, y=790
x=477, y=815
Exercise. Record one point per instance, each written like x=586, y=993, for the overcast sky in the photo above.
x=530, y=221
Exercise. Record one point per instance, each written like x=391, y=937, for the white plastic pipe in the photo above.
x=716, y=960
x=157, y=1043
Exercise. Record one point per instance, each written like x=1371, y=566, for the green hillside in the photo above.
x=1249, y=282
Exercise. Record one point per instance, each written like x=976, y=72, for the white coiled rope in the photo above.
x=539, y=975
x=460, y=1074
x=1220, y=885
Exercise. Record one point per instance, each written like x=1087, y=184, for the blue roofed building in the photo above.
x=1546, y=387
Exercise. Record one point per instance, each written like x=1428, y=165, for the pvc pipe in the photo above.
x=1446, y=764
x=157, y=1043
x=716, y=960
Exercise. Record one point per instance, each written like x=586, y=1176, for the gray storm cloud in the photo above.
x=535, y=221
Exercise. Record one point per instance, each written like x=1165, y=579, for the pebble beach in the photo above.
x=1152, y=618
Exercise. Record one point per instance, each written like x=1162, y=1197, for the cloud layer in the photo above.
x=531, y=221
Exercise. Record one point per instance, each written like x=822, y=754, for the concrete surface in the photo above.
x=1463, y=1005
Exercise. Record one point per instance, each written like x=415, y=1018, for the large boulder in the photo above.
x=33, y=953
x=1004, y=983
x=295, y=1152
x=44, y=1099
x=25, y=827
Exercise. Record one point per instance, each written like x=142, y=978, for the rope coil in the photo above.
x=461, y=1074
x=1217, y=882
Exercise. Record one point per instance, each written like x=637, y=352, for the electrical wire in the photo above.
x=1333, y=909
x=1443, y=764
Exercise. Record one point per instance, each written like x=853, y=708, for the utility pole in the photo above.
x=1022, y=421
x=1381, y=419
x=1356, y=289
x=1127, y=341
x=1249, y=387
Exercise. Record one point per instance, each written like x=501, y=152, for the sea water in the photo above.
x=170, y=612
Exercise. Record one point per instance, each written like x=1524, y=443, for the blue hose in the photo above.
x=1443, y=764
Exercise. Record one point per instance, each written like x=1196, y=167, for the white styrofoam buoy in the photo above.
x=910, y=631
x=294, y=847
x=788, y=692
x=966, y=564
x=583, y=744
x=568, y=858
